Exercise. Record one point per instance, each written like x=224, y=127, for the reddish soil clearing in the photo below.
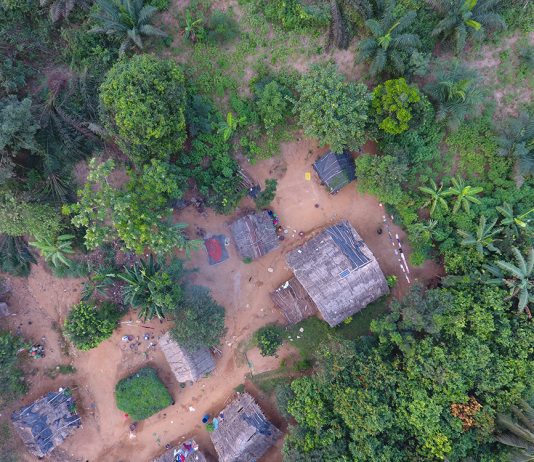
x=242, y=288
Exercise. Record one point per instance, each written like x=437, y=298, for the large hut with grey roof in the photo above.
x=47, y=422
x=243, y=434
x=186, y=365
x=335, y=273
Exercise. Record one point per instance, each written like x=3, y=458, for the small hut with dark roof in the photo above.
x=335, y=170
x=186, y=452
x=186, y=365
x=244, y=434
x=337, y=271
x=254, y=235
x=47, y=422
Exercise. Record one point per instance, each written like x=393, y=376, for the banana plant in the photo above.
x=437, y=196
x=484, y=237
x=230, y=125
x=54, y=252
x=465, y=194
x=511, y=220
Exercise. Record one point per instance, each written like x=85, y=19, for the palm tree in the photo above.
x=465, y=194
x=455, y=93
x=484, y=237
x=129, y=19
x=61, y=9
x=54, y=252
x=389, y=47
x=437, y=196
x=516, y=140
x=512, y=221
x=463, y=18
x=520, y=279
x=151, y=288
x=518, y=433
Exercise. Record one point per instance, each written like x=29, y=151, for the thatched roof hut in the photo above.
x=338, y=272
x=293, y=301
x=186, y=452
x=335, y=170
x=244, y=434
x=47, y=422
x=187, y=366
x=254, y=235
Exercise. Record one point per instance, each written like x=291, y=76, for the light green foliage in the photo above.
x=381, y=176
x=152, y=288
x=436, y=196
x=392, y=105
x=54, y=251
x=228, y=126
x=461, y=19
x=464, y=194
x=269, y=339
x=273, y=105
x=11, y=376
x=266, y=196
x=199, y=320
x=87, y=326
x=390, y=399
x=390, y=45
x=129, y=20
x=136, y=212
x=143, y=100
x=20, y=218
x=142, y=394
x=214, y=170
x=17, y=126
x=332, y=110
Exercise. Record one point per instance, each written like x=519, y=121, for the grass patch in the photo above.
x=142, y=394
x=7, y=441
x=361, y=322
x=268, y=381
x=62, y=369
x=315, y=332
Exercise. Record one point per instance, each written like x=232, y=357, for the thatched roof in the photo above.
x=47, y=422
x=339, y=272
x=293, y=301
x=189, y=451
x=254, y=235
x=335, y=170
x=244, y=434
x=187, y=366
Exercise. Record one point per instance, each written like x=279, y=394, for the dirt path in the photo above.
x=242, y=288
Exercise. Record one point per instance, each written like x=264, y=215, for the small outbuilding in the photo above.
x=186, y=365
x=335, y=170
x=244, y=434
x=254, y=235
x=47, y=422
x=186, y=452
x=336, y=271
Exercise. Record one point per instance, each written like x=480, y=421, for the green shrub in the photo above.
x=332, y=110
x=296, y=14
x=142, y=394
x=161, y=5
x=87, y=325
x=273, y=105
x=221, y=27
x=143, y=101
x=12, y=384
x=303, y=365
x=266, y=196
x=269, y=338
x=392, y=105
x=391, y=280
x=15, y=255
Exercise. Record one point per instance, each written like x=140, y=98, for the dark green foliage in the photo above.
x=273, y=104
x=461, y=19
x=152, y=288
x=61, y=9
x=215, y=172
x=129, y=20
x=17, y=126
x=200, y=114
x=381, y=176
x=296, y=14
x=143, y=101
x=455, y=93
x=517, y=431
x=15, y=256
x=392, y=104
x=283, y=395
x=13, y=74
x=390, y=45
x=332, y=110
x=87, y=325
x=12, y=384
x=390, y=399
x=221, y=27
x=266, y=196
x=142, y=394
x=199, y=320
x=269, y=339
